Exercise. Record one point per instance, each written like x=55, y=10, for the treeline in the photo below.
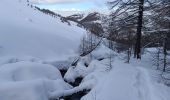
x=139, y=24
x=134, y=25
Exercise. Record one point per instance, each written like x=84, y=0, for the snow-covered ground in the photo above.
x=28, y=38
x=35, y=46
x=25, y=32
x=29, y=81
x=138, y=80
x=128, y=82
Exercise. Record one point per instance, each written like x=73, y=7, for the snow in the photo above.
x=33, y=80
x=103, y=52
x=168, y=18
x=57, y=94
x=35, y=34
x=29, y=41
x=23, y=71
x=135, y=81
x=34, y=47
x=127, y=82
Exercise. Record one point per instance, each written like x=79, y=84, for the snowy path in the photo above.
x=126, y=82
x=143, y=84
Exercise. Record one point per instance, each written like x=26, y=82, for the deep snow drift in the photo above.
x=27, y=38
x=26, y=32
x=29, y=81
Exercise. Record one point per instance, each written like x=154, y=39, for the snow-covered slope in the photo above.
x=25, y=32
x=27, y=38
x=31, y=44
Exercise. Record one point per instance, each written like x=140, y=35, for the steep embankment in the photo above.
x=28, y=38
x=26, y=32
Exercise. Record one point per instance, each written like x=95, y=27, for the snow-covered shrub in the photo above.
x=89, y=43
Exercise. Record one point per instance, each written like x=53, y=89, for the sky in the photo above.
x=72, y=5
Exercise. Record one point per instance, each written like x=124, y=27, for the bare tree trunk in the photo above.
x=129, y=47
x=158, y=58
x=110, y=58
x=129, y=55
x=165, y=53
x=91, y=44
x=137, y=53
x=168, y=39
x=83, y=45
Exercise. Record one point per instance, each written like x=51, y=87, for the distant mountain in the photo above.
x=91, y=21
x=68, y=12
x=75, y=17
x=91, y=17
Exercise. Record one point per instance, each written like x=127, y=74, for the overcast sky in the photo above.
x=77, y=5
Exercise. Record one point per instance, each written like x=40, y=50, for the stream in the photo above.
x=75, y=96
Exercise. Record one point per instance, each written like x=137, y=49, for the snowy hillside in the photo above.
x=27, y=38
x=26, y=32
x=91, y=21
x=42, y=58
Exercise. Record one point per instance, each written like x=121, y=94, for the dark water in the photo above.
x=63, y=72
x=77, y=82
x=78, y=95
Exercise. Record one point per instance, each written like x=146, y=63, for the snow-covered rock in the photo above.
x=30, y=81
x=25, y=71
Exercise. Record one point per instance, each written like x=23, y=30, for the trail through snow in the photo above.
x=127, y=82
